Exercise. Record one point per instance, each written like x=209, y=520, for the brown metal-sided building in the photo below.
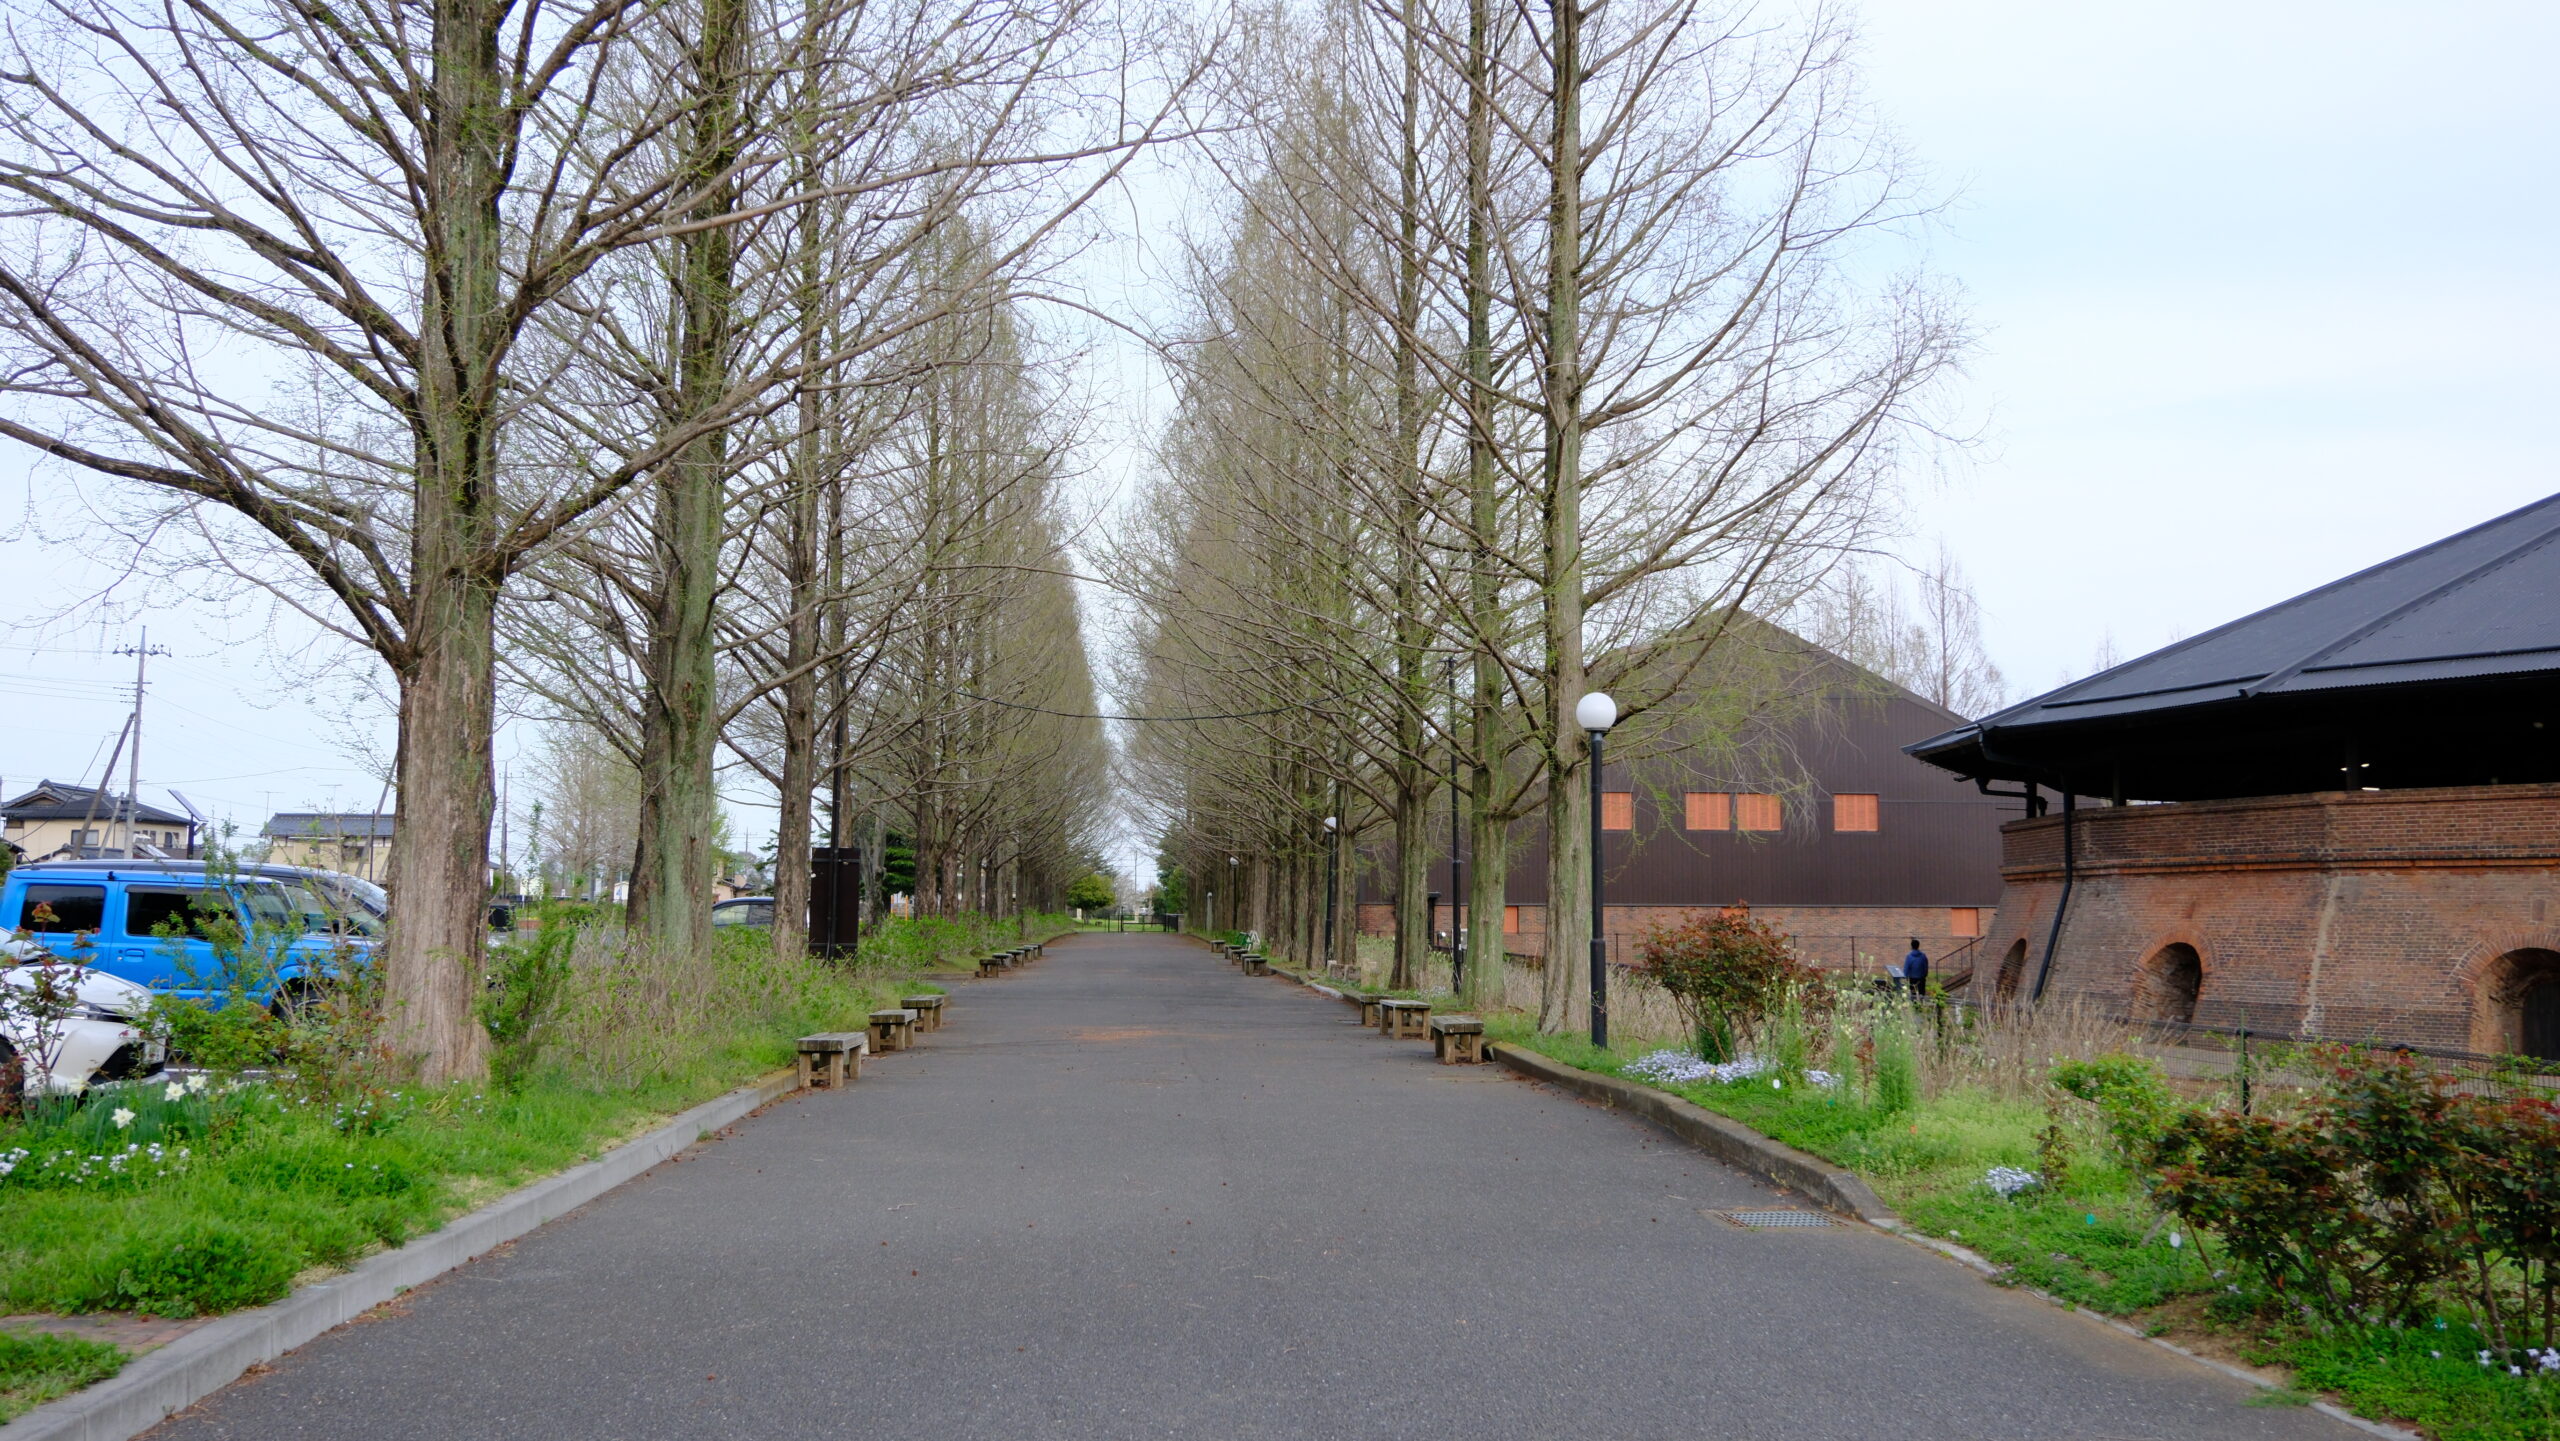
x=1836, y=837
x=2338, y=818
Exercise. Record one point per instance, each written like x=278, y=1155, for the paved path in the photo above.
x=1131, y=1193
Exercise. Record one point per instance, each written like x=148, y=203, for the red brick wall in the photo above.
x=2352, y=915
x=1831, y=937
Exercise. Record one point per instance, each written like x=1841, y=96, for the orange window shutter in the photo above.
x=1759, y=813
x=1853, y=813
x=1710, y=811
x=1964, y=922
x=1617, y=810
x=1511, y=920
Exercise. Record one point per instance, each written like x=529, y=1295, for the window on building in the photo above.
x=1964, y=922
x=60, y=910
x=1710, y=811
x=1617, y=810
x=1511, y=920
x=1759, y=813
x=1853, y=813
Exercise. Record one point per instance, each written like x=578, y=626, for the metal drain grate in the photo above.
x=1765, y=1220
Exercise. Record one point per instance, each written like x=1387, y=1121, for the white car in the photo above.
x=99, y=1040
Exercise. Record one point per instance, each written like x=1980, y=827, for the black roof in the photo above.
x=63, y=801
x=2439, y=667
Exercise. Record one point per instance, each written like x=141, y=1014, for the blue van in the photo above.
x=156, y=925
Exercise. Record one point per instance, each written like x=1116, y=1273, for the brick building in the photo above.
x=1825, y=829
x=2337, y=818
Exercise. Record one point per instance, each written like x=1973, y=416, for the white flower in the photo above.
x=1776, y=1085
x=2010, y=1180
x=2176, y=1240
x=123, y=1117
x=196, y=1082
x=172, y=1091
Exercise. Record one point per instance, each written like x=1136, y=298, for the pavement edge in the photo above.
x=167, y=1381
x=1726, y=1140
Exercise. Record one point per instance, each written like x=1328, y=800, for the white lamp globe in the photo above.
x=1330, y=822
x=1595, y=711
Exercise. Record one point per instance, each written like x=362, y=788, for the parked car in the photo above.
x=744, y=911
x=100, y=1039
x=156, y=924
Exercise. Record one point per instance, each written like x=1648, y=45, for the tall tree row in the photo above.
x=1566, y=340
x=558, y=346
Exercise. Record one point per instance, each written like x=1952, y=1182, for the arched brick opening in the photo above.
x=2013, y=972
x=2166, y=987
x=2520, y=992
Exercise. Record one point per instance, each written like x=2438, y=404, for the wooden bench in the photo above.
x=1457, y=1040
x=1403, y=1020
x=893, y=1029
x=1368, y=1005
x=928, y=1011
x=991, y=965
x=1257, y=965
x=834, y=1055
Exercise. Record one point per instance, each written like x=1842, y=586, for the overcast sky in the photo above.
x=2267, y=294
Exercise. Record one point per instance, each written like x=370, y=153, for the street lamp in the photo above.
x=1332, y=877
x=1235, y=896
x=1596, y=712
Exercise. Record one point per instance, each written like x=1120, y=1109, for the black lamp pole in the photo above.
x=1597, y=712
x=1599, y=933
x=1332, y=880
x=1457, y=867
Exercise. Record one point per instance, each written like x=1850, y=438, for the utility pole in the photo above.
x=141, y=654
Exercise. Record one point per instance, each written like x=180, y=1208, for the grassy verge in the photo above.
x=2093, y=1240
x=36, y=1368
x=156, y=1198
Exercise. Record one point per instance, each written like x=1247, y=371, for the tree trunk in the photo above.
x=678, y=861
x=1488, y=829
x=1568, y=809
x=432, y=957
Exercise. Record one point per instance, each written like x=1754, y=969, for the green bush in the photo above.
x=197, y=1267
x=1896, y=1063
x=2130, y=1094
x=2394, y=1195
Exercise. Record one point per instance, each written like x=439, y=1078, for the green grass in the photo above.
x=274, y=1186
x=36, y=1368
x=2429, y=1376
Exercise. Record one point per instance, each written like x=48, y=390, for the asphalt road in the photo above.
x=1131, y=1193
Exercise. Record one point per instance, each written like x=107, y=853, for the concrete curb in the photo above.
x=1732, y=1142
x=1726, y=1140
x=213, y=1356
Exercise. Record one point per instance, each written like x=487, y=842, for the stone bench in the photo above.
x=1403, y=1020
x=893, y=1029
x=928, y=1011
x=834, y=1055
x=1457, y=1040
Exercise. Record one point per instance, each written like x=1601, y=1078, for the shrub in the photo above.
x=2394, y=1194
x=2131, y=1096
x=1722, y=972
x=196, y=1267
x=524, y=989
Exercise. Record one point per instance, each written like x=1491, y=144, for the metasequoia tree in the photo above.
x=365, y=209
x=1655, y=403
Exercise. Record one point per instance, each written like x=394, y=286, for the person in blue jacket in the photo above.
x=1915, y=970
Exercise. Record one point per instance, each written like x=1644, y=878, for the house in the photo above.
x=1824, y=828
x=62, y=821
x=2337, y=818
x=356, y=842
